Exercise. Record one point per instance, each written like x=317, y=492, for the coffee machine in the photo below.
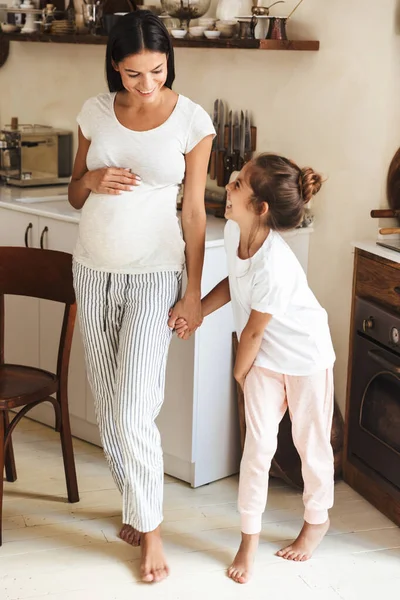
x=35, y=155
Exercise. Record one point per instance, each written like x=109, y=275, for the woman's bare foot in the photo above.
x=241, y=568
x=153, y=567
x=307, y=541
x=130, y=535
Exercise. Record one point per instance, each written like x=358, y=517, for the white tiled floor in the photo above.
x=56, y=551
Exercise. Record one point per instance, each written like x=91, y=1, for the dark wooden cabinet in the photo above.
x=373, y=385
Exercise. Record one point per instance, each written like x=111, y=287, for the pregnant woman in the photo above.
x=136, y=145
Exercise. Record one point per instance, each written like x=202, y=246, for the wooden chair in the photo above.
x=43, y=274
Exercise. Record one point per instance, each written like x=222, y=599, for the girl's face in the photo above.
x=144, y=74
x=238, y=203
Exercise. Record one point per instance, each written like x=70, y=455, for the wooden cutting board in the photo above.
x=393, y=184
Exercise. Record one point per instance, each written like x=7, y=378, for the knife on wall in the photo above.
x=236, y=142
x=229, y=156
x=242, y=142
x=213, y=157
x=248, y=151
x=221, y=144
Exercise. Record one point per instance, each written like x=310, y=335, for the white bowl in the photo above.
x=212, y=35
x=227, y=28
x=197, y=31
x=179, y=34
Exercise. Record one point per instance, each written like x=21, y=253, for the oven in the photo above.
x=374, y=420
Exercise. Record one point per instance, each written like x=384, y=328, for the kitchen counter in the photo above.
x=42, y=202
x=373, y=248
x=39, y=201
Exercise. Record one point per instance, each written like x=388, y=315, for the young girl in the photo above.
x=285, y=354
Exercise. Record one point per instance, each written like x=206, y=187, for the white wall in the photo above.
x=336, y=110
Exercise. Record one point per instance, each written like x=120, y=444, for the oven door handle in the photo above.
x=384, y=362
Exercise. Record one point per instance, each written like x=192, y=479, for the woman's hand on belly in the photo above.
x=111, y=180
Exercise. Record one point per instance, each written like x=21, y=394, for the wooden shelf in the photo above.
x=187, y=43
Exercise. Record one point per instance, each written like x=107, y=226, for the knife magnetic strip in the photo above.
x=253, y=137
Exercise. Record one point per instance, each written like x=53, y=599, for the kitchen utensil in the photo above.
x=389, y=230
x=247, y=145
x=92, y=15
x=9, y=28
x=277, y=28
x=213, y=157
x=247, y=26
x=197, y=32
x=62, y=27
x=227, y=28
x=242, y=141
x=30, y=17
x=260, y=11
x=221, y=144
x=185, y=10
x=390, y=245
x=236, y=142
x=385, y=213
x=212, y=35
x=229, y=156
x=179, y=34
x=295, y=8
x=33, y=155
x=393, y=182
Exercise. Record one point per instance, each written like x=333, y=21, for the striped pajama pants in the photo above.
x=124, y=326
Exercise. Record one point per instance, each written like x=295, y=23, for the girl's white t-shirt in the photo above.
x=297, y=340
x=137, y=231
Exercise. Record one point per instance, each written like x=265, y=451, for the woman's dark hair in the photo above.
x=133, y=33
x=284, y=187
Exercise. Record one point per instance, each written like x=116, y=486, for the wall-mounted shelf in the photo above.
x=297, y=45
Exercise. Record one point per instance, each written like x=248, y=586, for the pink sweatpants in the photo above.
x=310, y=402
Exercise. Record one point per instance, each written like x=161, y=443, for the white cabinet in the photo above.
x=33, y=326
x=22, y=314
x=199, y=422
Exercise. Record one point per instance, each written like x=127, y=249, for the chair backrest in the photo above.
x=43, y=274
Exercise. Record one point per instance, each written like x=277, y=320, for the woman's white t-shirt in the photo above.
x=137, y=231
x=297, y=340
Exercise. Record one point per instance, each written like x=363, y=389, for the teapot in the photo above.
x=263, y=11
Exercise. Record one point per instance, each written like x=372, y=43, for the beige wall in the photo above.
x=336, y=110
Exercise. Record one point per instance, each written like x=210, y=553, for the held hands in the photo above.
x=111, y=180
x=186, y=316
x=182, y=329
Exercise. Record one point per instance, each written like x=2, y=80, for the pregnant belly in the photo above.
x=122, y=230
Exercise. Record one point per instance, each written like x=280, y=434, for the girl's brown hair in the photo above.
x=284, y=187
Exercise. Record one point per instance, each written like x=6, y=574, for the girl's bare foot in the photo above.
x=307, y=541
x=130, y=535
x=153, y=567
x=241, y=568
